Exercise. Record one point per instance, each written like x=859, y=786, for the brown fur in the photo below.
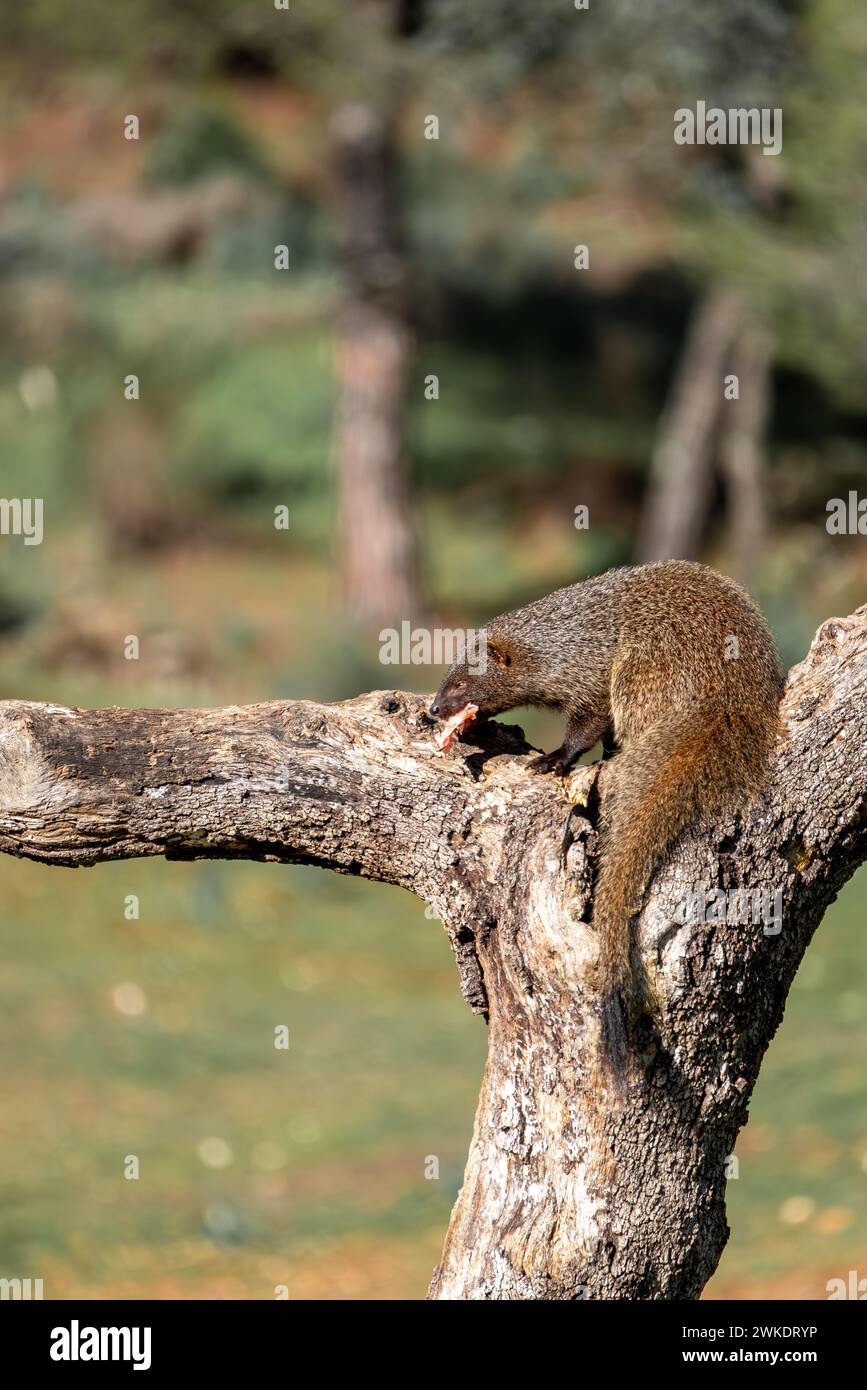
x=675, y=664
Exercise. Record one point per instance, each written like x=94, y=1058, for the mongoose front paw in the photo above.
x=555, y=762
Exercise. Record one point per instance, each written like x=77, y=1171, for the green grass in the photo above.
x=328, y=1139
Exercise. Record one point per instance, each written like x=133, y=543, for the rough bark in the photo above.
x=681, y=469
x=559, y=1200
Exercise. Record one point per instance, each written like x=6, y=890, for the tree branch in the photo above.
x=558, y=1200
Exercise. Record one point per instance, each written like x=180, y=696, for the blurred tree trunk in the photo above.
x=741, y=451
x=681, y=471
x=379, y=559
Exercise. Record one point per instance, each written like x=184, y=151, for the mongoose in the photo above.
x=673, y=664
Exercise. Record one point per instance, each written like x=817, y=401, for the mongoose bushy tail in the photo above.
x=687, y=769
x=675, y=663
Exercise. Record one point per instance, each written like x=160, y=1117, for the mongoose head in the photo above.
x=495, y=680
x=547, y=653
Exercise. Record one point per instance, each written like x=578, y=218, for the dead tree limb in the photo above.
x=360, y=788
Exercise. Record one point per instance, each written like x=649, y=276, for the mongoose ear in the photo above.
x=499, y=654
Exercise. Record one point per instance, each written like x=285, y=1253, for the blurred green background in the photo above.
x=309, y=388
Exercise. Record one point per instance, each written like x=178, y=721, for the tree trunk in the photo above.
x=741, y=451
x=681, y=469
x=378, y=548
x=560, y=1200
